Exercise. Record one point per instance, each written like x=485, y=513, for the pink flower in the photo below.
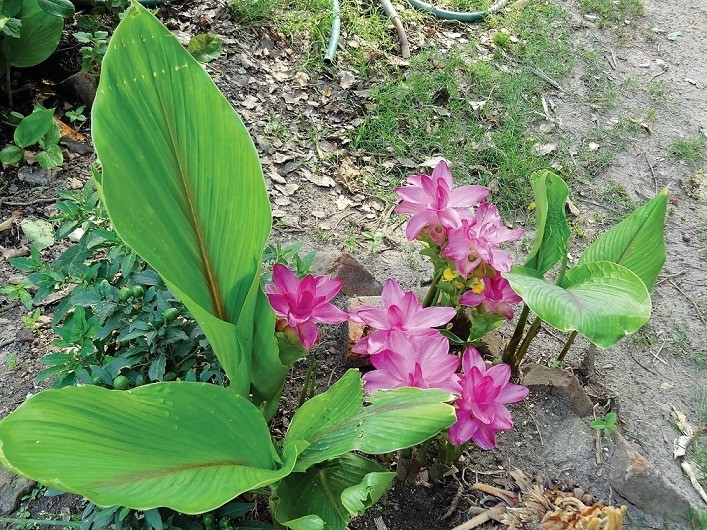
x=402, y=314
x=496, y=297
x=433, y=203
x=300, y=304
x=424, y=363
x=480, y=409
x=478, y=241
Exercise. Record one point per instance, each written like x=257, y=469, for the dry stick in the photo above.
x=455, y=503
x=655, y=180
x=666, y=278
x=687, y=468
x=491, y=513
x=549, y=80
x=691, y=300
x=18, y=339
x=30, y=203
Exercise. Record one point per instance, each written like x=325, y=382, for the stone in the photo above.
x=355, y=331
x=356, y=279
x=33, y=175
x=81, y=86
x=558, y=381
x=639, y=482
x=12, y=489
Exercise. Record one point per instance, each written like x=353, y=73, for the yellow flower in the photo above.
x=477, y=285
x=449, y=274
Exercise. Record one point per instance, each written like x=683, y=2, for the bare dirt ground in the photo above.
x=315, y=181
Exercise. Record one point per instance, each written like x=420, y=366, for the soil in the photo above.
x=315, y=189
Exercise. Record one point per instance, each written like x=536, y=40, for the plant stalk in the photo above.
x=416, y=463
x=510, y=350
x=567, y=346
x=431, y=296
x=8, y=81
x=532, y=332
x=307, y=379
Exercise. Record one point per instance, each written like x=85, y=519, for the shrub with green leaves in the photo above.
x=37, y=129
x=183, y=188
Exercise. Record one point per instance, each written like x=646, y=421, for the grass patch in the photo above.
x=613, y=11
x=252, y=10
x=478, y=114
x=690, y=151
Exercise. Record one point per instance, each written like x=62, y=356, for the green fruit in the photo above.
x=208, y=519
x=121, y=382
x=224, y=523
x=96, y=380
x=124, y=294
x=138, y=291
x=170, y=314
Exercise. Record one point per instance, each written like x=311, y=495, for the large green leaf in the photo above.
x=550, y=193
x=188, y=446
x=182, y=182
x=637, y=242
x=39, y=36
x=338, y=421
x=58, y=8
x=328, y=494
x=602, y=300
x=33, y=127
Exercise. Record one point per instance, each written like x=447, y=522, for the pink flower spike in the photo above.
x=496, y=297
x=434, y=205
x=301, y=304
x=478, y=241
x=480, y=409
x=402, y=314
x=424, y=363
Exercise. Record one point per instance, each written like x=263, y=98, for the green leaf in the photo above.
x=40, y=233
x=205, y=47
x=11, y=155
x=187, y=446
x=34, y=127
x=637, y=242
x=182, y=182
x=38, y=39
x=11, y=26
x=58, y=8
x=550, y=193
x=603, y=301
x=11, y=7
x=52, y=157
x=328, y=494
x=336, y=422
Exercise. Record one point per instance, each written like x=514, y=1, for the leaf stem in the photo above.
x=532, y=332
x=431, y=296
x=510, y=350
x=307, y=379
x=563, y=270
x=567, y=346
x=416, y=464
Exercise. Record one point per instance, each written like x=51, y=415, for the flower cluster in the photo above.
x=468, y=233
x=300, y=304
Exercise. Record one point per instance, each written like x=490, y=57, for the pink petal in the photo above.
x=279, y=304
x=418, y=222
x=375, y=318
x=464, y=429
x=472, y=358
x=379, y=380
x=442, y=171
x=471, y=299
x=467, y=196
x=450, y=219
x=484, y=437
x=414, y=195
x=392, y=293
x=329, y=314
x=501, y=417
x=308, y=334
x=328, y=287
x=431, y=317
x=285, y=279
x=512, y=393
x=409, y=306
x=500, y=373
x=361, y=347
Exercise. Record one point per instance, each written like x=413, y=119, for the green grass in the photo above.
x=691, y=151
x=613, y=11
x=479, y=115
x=252, y=10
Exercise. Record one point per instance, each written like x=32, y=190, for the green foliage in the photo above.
x=288, y=256
x=104, y=332
x=205, y=47
x=251, y=10
x=690, y=151
x=607, y=424
x=38, y=128
x=76, y=114
x=94, y=49
x=19, y=291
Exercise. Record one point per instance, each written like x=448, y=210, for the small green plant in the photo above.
x=37, y=129
x=690, y=151
x=607, y=424
x=205, y=47
x=288, y=256
x=19, y=291
x=31, y=321
x=94, y=49
x=12, y=361
x=375, y=239
x=76, y=115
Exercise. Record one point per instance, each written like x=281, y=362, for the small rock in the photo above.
x=536, y=376
x=75, y=146
x=357, y=281
x=81, y=86
x=634, y=478
x=12, y=489
x=33, y=175
x=75, y=184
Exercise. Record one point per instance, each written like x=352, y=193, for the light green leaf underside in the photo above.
x=39, y=36
x=188, y=446
x=550, y=193
x=637, y=242
x=328, y=494
x=602, y=300
x=182, y=181
x=336, y=422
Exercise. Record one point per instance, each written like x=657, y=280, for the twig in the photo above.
x=655, y=180
x=687, y=468
x=30, y=203
x=380, y=524
x=642, y=365
x=656, y=75
x=667, y=277
x=491, y=513
x=598, y=447
x=537, y=427
x=549, y=80
x=599, y=205
x=691, y=300
x=17, y=339
x=455, y=503
x=656, y=354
